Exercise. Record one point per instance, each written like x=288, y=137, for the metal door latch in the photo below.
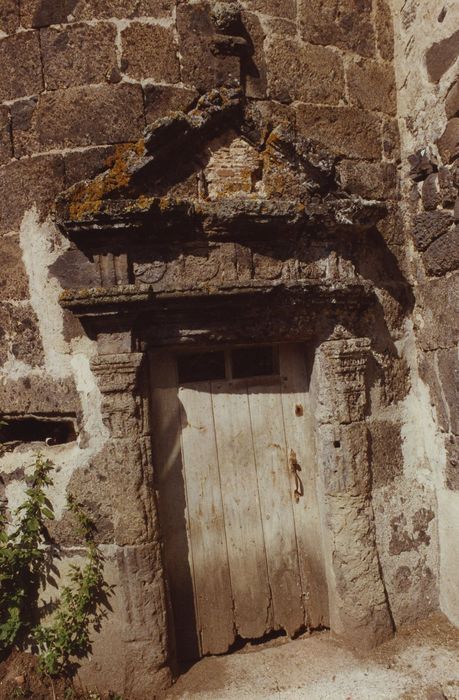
x=295, y=468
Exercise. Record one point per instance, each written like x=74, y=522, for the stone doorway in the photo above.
x=174, y=260
x=236, y=470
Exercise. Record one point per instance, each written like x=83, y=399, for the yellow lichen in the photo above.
x=144, y=202
x=164, y=203
x=87, y=198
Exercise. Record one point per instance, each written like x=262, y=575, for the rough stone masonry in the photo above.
x=183, y=172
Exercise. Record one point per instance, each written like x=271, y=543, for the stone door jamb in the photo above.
x=359, y=611
x=123, y=381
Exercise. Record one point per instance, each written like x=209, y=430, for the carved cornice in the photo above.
x=125, y=197
x=132, y=213
x=124, y=298
x=231, y=218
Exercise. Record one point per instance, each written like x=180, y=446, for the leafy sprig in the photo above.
x=24, y=565
x=23, y=561
x=82, y=606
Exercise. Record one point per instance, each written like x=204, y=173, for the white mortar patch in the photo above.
x=41, y=245
x=422, y=119
x=422, y=102
x=91, y=398
x=448, y=505
x=16, y=369
x=423, y=447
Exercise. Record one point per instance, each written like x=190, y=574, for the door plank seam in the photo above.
x=187, y=500
x=301, y=572
x=268, y=576
x=223, y=510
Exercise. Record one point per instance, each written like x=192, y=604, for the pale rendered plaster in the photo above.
x=422, y=120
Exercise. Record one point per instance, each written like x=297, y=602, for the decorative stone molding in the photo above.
x=124, y=386
x=122, y=408
x=142, y=295
x=117, y=372
x=263, y=214
x=343, y=365
x=214, y=230
x=122, y=382
x=359, y=611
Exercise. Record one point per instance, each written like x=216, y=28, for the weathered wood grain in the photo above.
x=206, y=521
x=243, y=553
x=246, y=550
x=298, y=421
x=270, y=450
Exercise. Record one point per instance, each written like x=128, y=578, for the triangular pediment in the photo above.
x=211, y=207
x=215, y=168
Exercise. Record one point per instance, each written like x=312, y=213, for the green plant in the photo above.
x=24, y=565
x=23, y=561
x=82, y=606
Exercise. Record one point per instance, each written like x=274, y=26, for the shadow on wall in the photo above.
x=51, y=12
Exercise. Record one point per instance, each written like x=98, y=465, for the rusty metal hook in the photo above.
x=295, y=468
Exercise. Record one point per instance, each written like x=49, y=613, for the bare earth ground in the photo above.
x=19, y=678
x=421, y=663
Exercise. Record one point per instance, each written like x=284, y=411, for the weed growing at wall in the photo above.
x=82, y=606
x=24, y=564
x=23, y=560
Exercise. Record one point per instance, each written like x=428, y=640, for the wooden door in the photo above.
x=233, y=450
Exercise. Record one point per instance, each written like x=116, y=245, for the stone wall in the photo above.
x=427, y=53
x=79, y=82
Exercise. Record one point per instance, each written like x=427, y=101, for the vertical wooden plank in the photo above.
x=276, y=504
x=169, y=481
x=244, y=534
x=299, y=430
x=206, y=521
